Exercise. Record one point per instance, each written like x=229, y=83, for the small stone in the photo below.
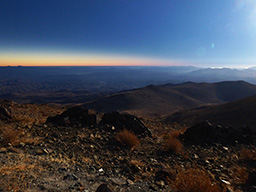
x=71, y=177
x=130, y=182
x=45, y=151
x=62, y=169
x=22, y=144
x=3, y=150
x=196, y=156
x=160, y=183
x=117, y=181
x=226, y=182
x=153, y=160
x=225, y=148
x=101, y=170
x=229, y=189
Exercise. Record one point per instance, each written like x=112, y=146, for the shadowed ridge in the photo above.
x=157, y=100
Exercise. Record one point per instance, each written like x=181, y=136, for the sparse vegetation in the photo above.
x=247, y=154
x=127, y=138
x=240, y=175
x=16, y=172
x=11, y=136
x=172, y=143
x=194, y=180
x=67, y=153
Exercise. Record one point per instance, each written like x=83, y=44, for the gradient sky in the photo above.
x=208, y=33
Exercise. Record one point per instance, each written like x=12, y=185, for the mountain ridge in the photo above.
x=169, y=98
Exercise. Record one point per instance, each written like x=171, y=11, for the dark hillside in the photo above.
x=236, y=113
x=166, y=99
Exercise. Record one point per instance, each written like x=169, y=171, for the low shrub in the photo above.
x=172, y=143
x=247, y=154
x=239, y=175
x=127, y=138
x=194, y=180
x=9, y=135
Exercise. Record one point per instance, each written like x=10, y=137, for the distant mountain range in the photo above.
x=71, y=85
x=166, y=99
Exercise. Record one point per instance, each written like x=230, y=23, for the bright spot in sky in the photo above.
x=212, y=45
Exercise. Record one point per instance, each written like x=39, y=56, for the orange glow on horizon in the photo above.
x=39, y=59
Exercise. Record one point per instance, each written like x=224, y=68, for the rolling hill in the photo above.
x=236, y=114
x=157, y=100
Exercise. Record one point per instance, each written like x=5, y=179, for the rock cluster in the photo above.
x=113, y=122
x=78, y=150
x=124, y=121
x=207, y=133
x=75, y=116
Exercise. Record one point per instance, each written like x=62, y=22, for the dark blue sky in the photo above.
x=202, y=32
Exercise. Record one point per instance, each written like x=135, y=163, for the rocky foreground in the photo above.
x=45, y=148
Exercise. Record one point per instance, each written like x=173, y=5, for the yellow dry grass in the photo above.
x=194, y=180
x=127, y=138
x=172, y=143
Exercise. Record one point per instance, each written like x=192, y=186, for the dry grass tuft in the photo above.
x=240, y=175
x=127, y=138
x=194, y=180
x=9, y=135
x=247, y=154
x=172, y=143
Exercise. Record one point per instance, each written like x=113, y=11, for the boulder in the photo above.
x=75, y=116
x=103, y=188
x=207, y=133
x=118, y=121
x=4, y=114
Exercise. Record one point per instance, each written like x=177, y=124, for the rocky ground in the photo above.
x=47, y=148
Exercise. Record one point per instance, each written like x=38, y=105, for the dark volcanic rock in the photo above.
x=252, y=178
x=164, y=175
x=73, y=116
x=103, y=188
x=4, y=114
x=124, y=121
x=206, y=133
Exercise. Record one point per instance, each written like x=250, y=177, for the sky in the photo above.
x=205, y=33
